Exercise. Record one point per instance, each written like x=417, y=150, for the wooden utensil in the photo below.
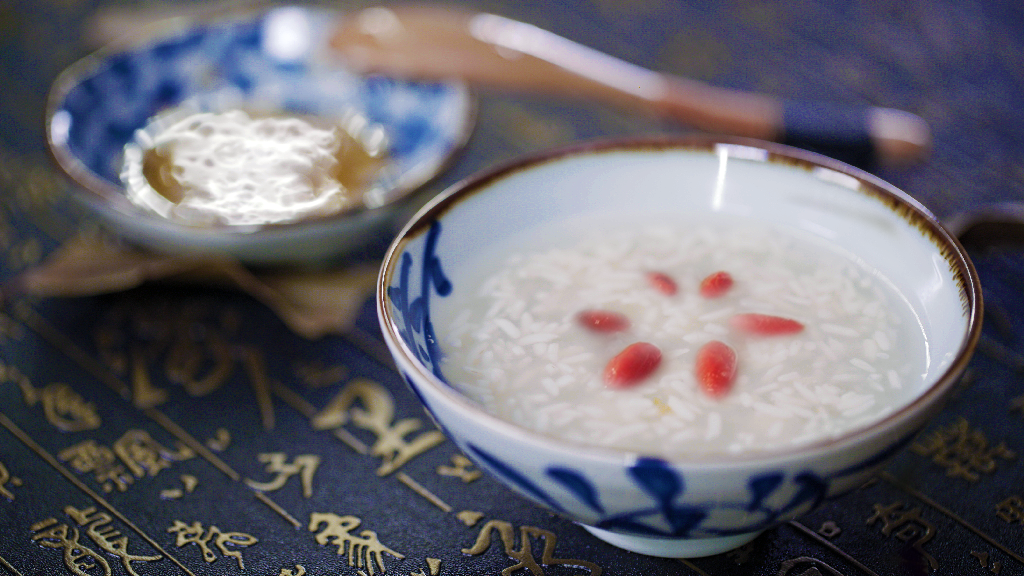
x=431, y=43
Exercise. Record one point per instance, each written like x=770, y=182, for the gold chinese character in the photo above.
x=433, y=568
x=134, y=455
x=461, y=468
x=963, y=452
x=7, y=480
x=376, y=415
x=98, y=528
x=994, y=566
x=524, y=555
x=364, y=551
x=316, y=375
x=62, y=406
x=192, y=349
x=78, y=558
x=90, y=457
x=196, y=534
x=907, y=525
x=145, y=394
x=1011, y=510
x=144, y=455
x=470, y=517
x=220, y=441
x=304, y=465
x=188, y=485
x=201, y=362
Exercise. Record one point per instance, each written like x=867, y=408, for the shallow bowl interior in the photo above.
x=276, y=60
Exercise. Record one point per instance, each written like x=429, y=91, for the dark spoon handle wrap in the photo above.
x=837, y=131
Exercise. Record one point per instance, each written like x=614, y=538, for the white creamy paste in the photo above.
x=230, y=168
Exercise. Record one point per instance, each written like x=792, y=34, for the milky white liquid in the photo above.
x=511, y=342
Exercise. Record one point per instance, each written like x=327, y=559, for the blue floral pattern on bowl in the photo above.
x=771, y=494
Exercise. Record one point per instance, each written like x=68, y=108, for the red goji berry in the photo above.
x=716, y=284
x=632, y=366
x=766, y=325
x=716, y=368
x=663, y=283
x=602, y=321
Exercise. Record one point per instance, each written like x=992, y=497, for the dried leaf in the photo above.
x=312, y=303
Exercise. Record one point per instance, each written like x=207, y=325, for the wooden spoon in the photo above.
x=436, y=43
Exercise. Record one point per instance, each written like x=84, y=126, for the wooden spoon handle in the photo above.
x=430, y=43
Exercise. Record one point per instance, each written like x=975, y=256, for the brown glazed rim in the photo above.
x=913, y=212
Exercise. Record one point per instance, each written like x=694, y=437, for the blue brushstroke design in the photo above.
x=657, y=479
x=666, y=516
x=414, y=313
x=813, y=489
x=761, y=487
x=578, y=485
x=513, y=476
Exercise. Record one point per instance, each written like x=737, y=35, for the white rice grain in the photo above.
x=513, y=345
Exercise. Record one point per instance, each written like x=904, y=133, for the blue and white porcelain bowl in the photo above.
x=638, y=500
x=275, y=59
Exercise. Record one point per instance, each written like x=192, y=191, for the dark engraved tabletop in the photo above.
x=186, y=430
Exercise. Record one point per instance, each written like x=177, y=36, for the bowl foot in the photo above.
x=673, y=547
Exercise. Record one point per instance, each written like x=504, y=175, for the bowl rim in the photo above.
x=922, y=407
x=99, y=193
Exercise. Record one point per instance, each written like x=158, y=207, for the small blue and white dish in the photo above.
x=644, y=501
x=275, y=59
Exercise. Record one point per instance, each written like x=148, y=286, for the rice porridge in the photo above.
x=680, y=338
